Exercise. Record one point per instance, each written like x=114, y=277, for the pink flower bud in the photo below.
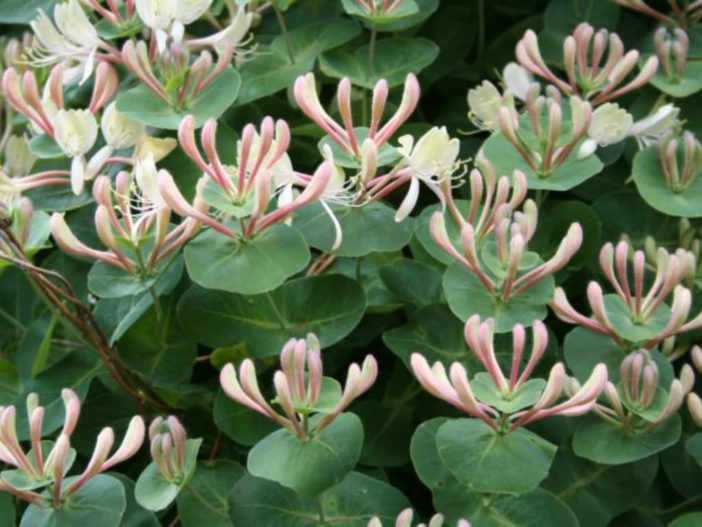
x=380, y=96
x=687, y=378
x=696, y=355
x=553, y=389
x=71, y=404
x=676, y=395
x=694, y=405
x=180, y=438
x=131, y=443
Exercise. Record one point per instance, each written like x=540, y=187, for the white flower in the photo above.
x=610, y=124
x=73, y=38
x=118, y=130
x=430, y=160
x=18, y=157
x=156, y=14
x=75, y=131
x=188, y=11
x=484, y=103
x=517, y=79
x=164, y=16
x=233, y=34
x=657, y=125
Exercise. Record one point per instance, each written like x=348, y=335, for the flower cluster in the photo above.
x=298, y=386
x=500, y=407
x=679, y=178
x=672, y=50
x=638, y=404
x=404, y=519
x=127, y=216
x=168, y=447
x=587, y=76
x=245, y=190
x=650, y=321
x=500, y=236
x=36, y=470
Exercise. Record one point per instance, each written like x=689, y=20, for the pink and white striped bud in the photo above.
x=131, y=443
x=553, y=389
x=71, y=404
x=694, y=405
x=676, y=396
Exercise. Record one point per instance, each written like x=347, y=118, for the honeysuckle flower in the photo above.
x=118, y=130
x=15, y=51
x=431, y=160
x=680, y=14
x=169, y=17
x=233, y=35
x=345, y=136
x=20, y=212
x=517, y=80
x=17, y=155
x=112, y=11
x=484, y=102
x=183, y=79
x=694, y=406
x=672, y=49
x=42, y=110
x=455, y=388
x=636, y=392
x=679, y=178
x=261, y=159
x=583, y=52
x=549, y=151
x=75, y=131
x=610, y=124
x=50, y=470
x=168, y=440
x=671, y=270
x=378, y=7
x=404, y=519
x=656, y=126
x=72, y=40
x=512, y=232
x=297, y=385
x=133, y=211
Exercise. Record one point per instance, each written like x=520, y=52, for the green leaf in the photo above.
x=388, y=428
x=352, y=503
x=425, y=456
x=632, y=330
x=583, y=350
x=535, y=508
x=242, y=424
x=143, y=105
x=570, y=174
x=271, y=72
x=467, y=296
x=691, y=519
x=366, y=271
x=602, y=442
x=249, y=267
x=485, y=390
x=309, y=467
x=134, y=515
x=597, y=493
x=652, y=186
x=159, y=348
x=426, y=8
x=7, y=510
x=487, y=461
x=154, y=492
x=393, y=59
x=435, y=332
x=205, y=499
x=108, y=281
x=44, y=147
x=328, y=305
x=100, y=501
x=23, y=11
x=405, y=9
x=694, y=447
x=689, y=84
x=563, y=16
x=367, y=229
x=414, y=282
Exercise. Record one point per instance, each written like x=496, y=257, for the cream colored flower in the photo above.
x=18, y=157
x=610, y=124
x=75, y=131
x=517, y=79
x=430, y=160
x=118, y=130
x=650, y=129
x=484, y=102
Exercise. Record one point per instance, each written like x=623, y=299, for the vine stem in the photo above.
x=371, y=49
x=284, y=31
x=320, y=510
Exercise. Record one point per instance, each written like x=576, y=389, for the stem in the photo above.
x=481, y=29
x=320, y=510
x=371, y=50
x=284, y=31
